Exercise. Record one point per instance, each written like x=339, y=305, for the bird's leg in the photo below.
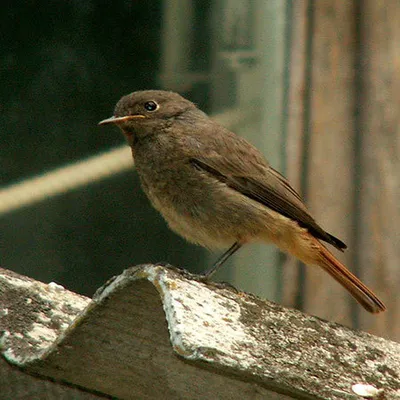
x=235, y=247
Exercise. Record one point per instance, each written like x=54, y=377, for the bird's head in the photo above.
x=145, y=111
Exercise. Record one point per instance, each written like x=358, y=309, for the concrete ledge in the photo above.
x=156, y=332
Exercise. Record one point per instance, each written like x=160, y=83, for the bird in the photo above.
x=217, y=190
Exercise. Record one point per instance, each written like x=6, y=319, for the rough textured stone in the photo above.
x=154, y=331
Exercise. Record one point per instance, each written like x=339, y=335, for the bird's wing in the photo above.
x=264, y=185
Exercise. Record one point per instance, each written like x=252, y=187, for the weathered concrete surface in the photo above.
x=155, y=331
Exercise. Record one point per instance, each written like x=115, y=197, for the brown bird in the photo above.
x=217, y=190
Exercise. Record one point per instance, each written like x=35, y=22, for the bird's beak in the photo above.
x=118, y=120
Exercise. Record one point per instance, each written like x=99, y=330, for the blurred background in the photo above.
x=314, y=85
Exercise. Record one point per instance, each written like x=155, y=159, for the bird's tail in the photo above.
x=349, y=281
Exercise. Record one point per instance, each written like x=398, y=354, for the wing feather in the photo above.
x=270, y=189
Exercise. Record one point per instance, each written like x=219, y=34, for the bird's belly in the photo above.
x=216, y=216
x=187, y=220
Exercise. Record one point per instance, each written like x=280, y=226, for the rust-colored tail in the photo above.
x=350, y=282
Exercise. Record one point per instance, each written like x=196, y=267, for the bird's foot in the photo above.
x=203, y=278
x=181, y=270
x=225, y=285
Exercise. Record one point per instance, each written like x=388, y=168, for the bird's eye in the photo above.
x=151, y=106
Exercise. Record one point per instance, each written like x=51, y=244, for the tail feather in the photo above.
x=350, y=282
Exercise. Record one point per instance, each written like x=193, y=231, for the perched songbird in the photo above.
x=217, y=190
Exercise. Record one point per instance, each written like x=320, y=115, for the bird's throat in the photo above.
x=131, y=137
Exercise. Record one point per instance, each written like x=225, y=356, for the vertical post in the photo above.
x=379, y=242
x=176, y=44
x=329, y=190
x=320, y=138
